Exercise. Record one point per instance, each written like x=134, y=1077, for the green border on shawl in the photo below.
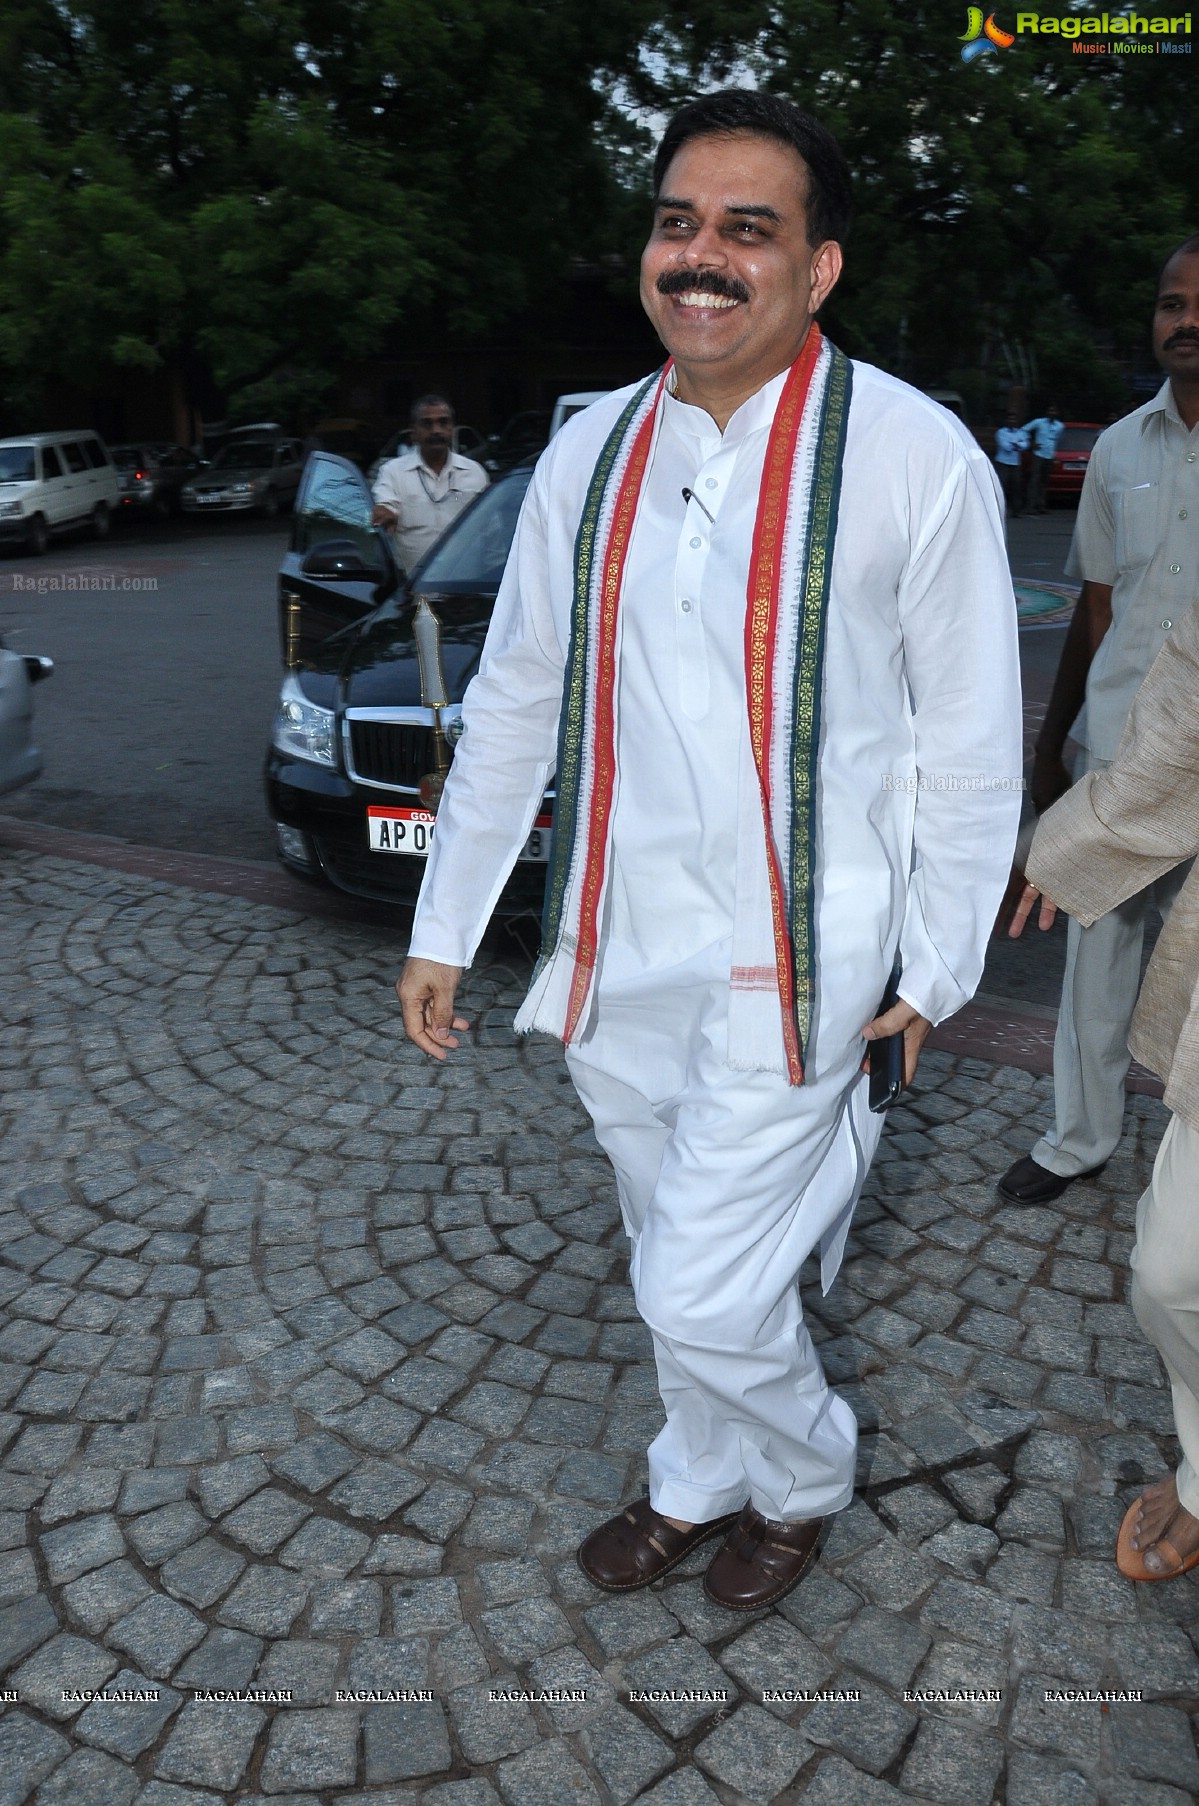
x=809, y=680
x=572, y=725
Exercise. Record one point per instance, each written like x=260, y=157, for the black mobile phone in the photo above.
x=885, y=1058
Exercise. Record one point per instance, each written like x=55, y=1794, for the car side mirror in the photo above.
x=339, y=558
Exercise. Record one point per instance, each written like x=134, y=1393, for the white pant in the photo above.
x=727, y=1181
x=1090, y=1049
x=1165, y=1286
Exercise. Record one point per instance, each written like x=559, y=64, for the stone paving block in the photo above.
x=157, y=1486
x=820, y=1606
x=870, y=1730
x=545, y=1776
x=890, y=1574
x=439, y=1510
x=621, y=1627
x=1035, y=1781
x=226, y=1658
x=65, y=1662
x=322, y=1545
x=501, y=1524
x=567, y=1671
x=344, y=1607
x=685, y=1787
x=969, y=1548
x=226, y=1484
x=885, y=1646
x=377, y=1490
x=389, y=1662
x=377, y=1425
x=1070, y=1646
x=489, y=1729
x=683, y=1685
x=157, y=1634
x=31, y=1751
x=307, y=1669
x=526, y=1629
x=210, y=1744
x=957, y=1767
x=501, y=1582
x=260, y=1427
x=627, y=1754
x=1154, y=1743
x=311, y=1750
x=964, y=1668
x=157, y=1535
x=425, y=1605
x=203, y=1573
x=264, y=1521
x=1023, y=1575
x=700, y=1616
x=18, y=1576
x=1070, y=1729
x=969, y=1611
x=405, y=1742
x=265, y=1602
x=1032, y=1516
x=128, y=1727
x=315, y=1462
x=91, y=1776
x=458, y=1660
x=98, y=1598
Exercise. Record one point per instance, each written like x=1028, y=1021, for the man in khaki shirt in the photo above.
x=1115, y=832
x=1136, y=550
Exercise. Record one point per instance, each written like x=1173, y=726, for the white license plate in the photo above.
x=411, y=831
x=1073, y=466
x=210, y=498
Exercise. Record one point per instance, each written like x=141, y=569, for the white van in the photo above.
x=52, y=482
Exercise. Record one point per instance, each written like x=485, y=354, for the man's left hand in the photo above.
x=901, y=1017
x=1024, y=909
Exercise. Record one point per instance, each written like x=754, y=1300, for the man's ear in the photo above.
x=826, y=272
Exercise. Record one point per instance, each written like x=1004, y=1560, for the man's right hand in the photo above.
x=1050, y=779
x=426, y=991
x=382, y=516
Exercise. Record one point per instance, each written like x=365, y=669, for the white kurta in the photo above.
x=919, y=788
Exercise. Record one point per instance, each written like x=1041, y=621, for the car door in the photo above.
x=54, y=497
x=338, y=567
x=78, y=485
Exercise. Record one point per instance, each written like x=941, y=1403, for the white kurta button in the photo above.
x=1182, y=514
x=711, y=483
x=1174, y=569
x=696, y=543
x=1167, y=625
x=686, y=607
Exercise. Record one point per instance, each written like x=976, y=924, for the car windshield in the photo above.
x=128, y=457
x=473, y=553
x=1078, y=438
x=249, y=455
x=16, y=464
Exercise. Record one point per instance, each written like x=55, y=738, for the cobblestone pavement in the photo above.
x=318, y=1362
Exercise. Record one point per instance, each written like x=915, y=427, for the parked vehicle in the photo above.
x=259, y=474
x=20, y=760
x=353, y=745
x=54, y=483
x=468, y=441
x=566, y=405
x=522, y=437
x=1071, y=459
x=151, y=476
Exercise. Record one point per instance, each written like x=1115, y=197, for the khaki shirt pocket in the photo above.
x=1138, y=530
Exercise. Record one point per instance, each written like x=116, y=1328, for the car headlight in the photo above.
x=243, y=488
x=302, y=728
x=10, y=509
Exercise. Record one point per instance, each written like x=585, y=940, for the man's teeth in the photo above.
x=701, y=298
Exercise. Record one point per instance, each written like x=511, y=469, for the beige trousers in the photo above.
x=1165, y=1286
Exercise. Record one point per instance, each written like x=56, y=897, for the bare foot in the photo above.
x=1162, y=1515
x=678, y=1523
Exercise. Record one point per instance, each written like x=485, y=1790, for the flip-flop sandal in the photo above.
x=1131, y=1562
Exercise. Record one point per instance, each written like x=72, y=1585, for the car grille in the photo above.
x=391, y=752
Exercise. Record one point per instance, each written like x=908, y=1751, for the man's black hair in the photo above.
x=829, y=198
x=431, y=401
x=1188, y=248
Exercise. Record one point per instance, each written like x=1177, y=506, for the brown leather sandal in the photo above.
x=761, y=1560
x=638, y=1546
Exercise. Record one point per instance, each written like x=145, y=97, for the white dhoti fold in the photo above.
x=728, y=1180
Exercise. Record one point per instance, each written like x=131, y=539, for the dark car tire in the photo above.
x=101, y=521
x=270, y=506
x=37, y=540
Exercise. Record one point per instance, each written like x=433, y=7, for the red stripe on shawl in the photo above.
x=761, y=627
x=615, y=555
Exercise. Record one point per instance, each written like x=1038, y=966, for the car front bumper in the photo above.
x=330, y=811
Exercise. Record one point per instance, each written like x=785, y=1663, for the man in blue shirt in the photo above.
x=1011, y=442
x=1046, y=430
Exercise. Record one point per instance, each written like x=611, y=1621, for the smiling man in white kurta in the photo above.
x=714, y=1029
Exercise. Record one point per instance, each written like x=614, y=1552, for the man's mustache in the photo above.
x=682, y=282
x=1186, y=337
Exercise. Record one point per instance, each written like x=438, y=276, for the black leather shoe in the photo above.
x=1029, y=1183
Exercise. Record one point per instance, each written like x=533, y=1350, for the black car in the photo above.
x=358, y=751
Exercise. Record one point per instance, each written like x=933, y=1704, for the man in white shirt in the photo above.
x=758, y=619
x=1046, y=430
x=1011, y=443
x=419, y=493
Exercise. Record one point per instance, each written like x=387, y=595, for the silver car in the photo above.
x=259, y=474
x=20, y=760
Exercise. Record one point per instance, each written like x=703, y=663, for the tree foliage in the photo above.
x=274, y=186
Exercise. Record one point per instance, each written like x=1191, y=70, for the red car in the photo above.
x=1071, y=458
